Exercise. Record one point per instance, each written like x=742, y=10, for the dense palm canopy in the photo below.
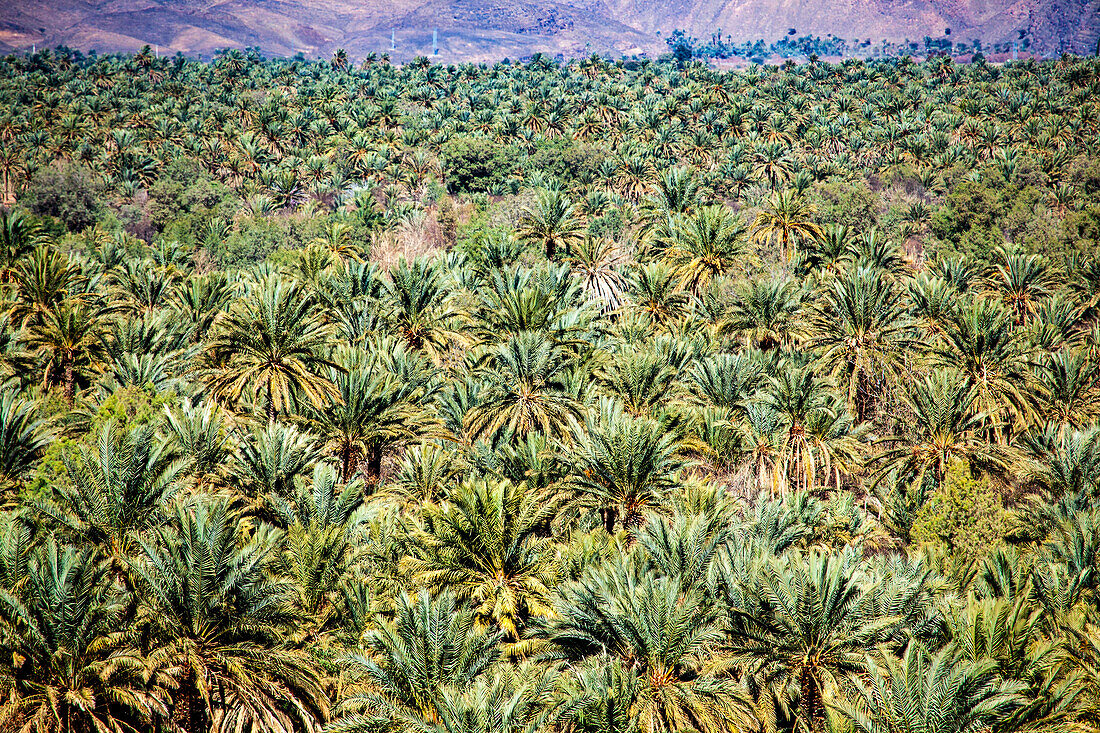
x=548, y=397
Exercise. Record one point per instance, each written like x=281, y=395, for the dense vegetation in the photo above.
x=597, y=397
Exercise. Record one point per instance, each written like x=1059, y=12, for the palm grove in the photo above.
x=605, y=396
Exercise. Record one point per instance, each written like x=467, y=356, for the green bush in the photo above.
x=477, y=164
x=71, y=194
x=965, y=514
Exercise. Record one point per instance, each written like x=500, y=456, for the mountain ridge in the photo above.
x=487, y=30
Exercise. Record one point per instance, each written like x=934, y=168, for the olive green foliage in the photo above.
x=964, y=513
x=548, y=397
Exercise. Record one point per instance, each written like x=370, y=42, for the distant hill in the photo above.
x=485, y=30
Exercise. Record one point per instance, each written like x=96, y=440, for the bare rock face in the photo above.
x=485, y=30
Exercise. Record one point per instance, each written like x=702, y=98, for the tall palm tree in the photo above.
x=706, y=245
x=1021, y=281
x=431, y=645
x=269, y=459
x=72, y=664
x=487, y=545
x=67, y=340
x=785, y=221
x=929, y=693
x=274, y=346
x=553, y=221
x=981, y=343
x=806, y=622
x=666, y=643
x=19, y=235
x=526, y=389
x=946, y=425
x=861, y=328
x=419, y=311
x=115, y=493
x=623, y=465
x=212, y=612
x=766, y=313
x=23, y=437
x=657, y=296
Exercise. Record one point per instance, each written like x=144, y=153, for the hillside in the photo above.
x=470, y=30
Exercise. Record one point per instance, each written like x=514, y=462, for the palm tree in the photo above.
x=766, y=313
x=551, y=220
x=806, y=622
x=115, y=493
x=67, y=340
x=946, y=424
x=73, y=666
x=623, y=465
x=641, y=380
x=430, y=646
x=785, y=221
x=23, y=437
x=373, y=411
x=321, y=521
x=660, y=647
x=213, y=613
x=418, y=309
x=816, y=431
x=981, y=343
x=656, y=294
x=598, y=265
x=929, y=693
x=526, y=389
x=274, y=345
x=270, y=457
x=1021, y=281
x=862, y=332
x=706, y=245
x=1069, y=388
x=487, y=545
x=19, y=235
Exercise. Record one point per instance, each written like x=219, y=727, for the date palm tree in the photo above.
x=526, y=389
x=766, y=313
x=785, y=221
x=980, y=342
x=418, y=307
x=116, y=492
x=946, y=424
x=661, y=647
x=431, y=645
x=275, y=348
x=23, y=437
x=487, y=545
x=553, y=221
x=67, y=341
x=706, y=245
x=806, y=622
x=72, y=663
x=212, y=612
x=929, y=692
x=623, y=465
x=861, y=330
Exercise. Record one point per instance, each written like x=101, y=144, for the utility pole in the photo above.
x=435, y=43
x=393, y=40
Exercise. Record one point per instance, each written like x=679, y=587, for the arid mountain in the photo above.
x=492, y=29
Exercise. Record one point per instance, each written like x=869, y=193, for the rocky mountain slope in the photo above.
x=492, y=29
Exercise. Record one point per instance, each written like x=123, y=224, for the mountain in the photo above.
x=486, y=30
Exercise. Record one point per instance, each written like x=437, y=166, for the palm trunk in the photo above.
x=374, y=465
x=809, y=702
x=70, y=380
x=608, y=515
x=187, y=713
